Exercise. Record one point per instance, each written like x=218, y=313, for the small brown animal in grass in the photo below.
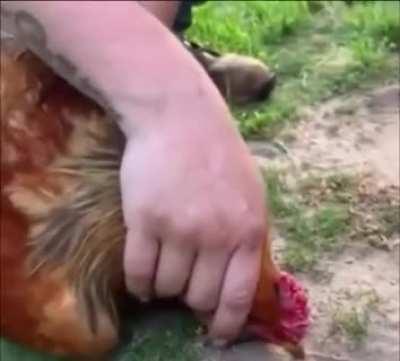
x=240, y=79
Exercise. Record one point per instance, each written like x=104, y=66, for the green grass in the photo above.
x=376, y=20
x=12, y=352
x=312, y=223
x=319, y=213
x=353, y=320
x=171, y=337
x=353, y=323
x=316, y=54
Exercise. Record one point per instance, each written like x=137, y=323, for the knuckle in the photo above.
x=187, y=230
x=239, y=301
x=186, y=227
x=139, y=275
x=216, y=244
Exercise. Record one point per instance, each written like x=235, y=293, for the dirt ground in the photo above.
x=360, y=134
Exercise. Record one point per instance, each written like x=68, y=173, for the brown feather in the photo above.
x=62, y=229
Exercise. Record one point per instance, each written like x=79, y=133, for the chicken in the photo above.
x=62, y=231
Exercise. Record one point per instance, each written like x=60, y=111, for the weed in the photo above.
x=353, y=323
x=280, y=205
x=368, y=53
x=244, y=26
x=309, y=229
x=375, y=20
x=353, y=320
x=389, y=219
x=172, y=339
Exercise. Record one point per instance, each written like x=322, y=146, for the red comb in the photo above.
x=295, y=310
x=293, y=319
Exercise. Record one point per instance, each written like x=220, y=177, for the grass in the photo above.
x=171, y=337
x=319, y=213
x=375, y=21
x=317, y=54
x=389, y=219
x=12, y=352
x=314, y=216
x=377, y=217
x=353, y=322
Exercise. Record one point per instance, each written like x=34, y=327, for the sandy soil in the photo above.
x=360, y=134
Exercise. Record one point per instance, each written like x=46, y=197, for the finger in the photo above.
x=206, y=280
x=237, y=294
x=140, y=262
x=174, y=266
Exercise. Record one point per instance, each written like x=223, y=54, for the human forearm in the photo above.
x=116, y=53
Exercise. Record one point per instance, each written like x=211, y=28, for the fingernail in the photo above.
x=220, y=342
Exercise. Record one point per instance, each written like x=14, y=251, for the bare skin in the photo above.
x=192, y=197
x=165, y=11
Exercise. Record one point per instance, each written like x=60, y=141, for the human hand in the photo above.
x=192, y=201
x=194, y=209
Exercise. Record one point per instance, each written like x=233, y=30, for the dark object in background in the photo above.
x=240, y=79
x=184, y=16
x=353, y=2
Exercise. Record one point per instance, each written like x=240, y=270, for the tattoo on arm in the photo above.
x=30, y=30
x=33, y=35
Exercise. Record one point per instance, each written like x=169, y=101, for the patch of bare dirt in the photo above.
x=358, y=134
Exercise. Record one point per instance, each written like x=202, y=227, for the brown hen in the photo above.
x=62, y=231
